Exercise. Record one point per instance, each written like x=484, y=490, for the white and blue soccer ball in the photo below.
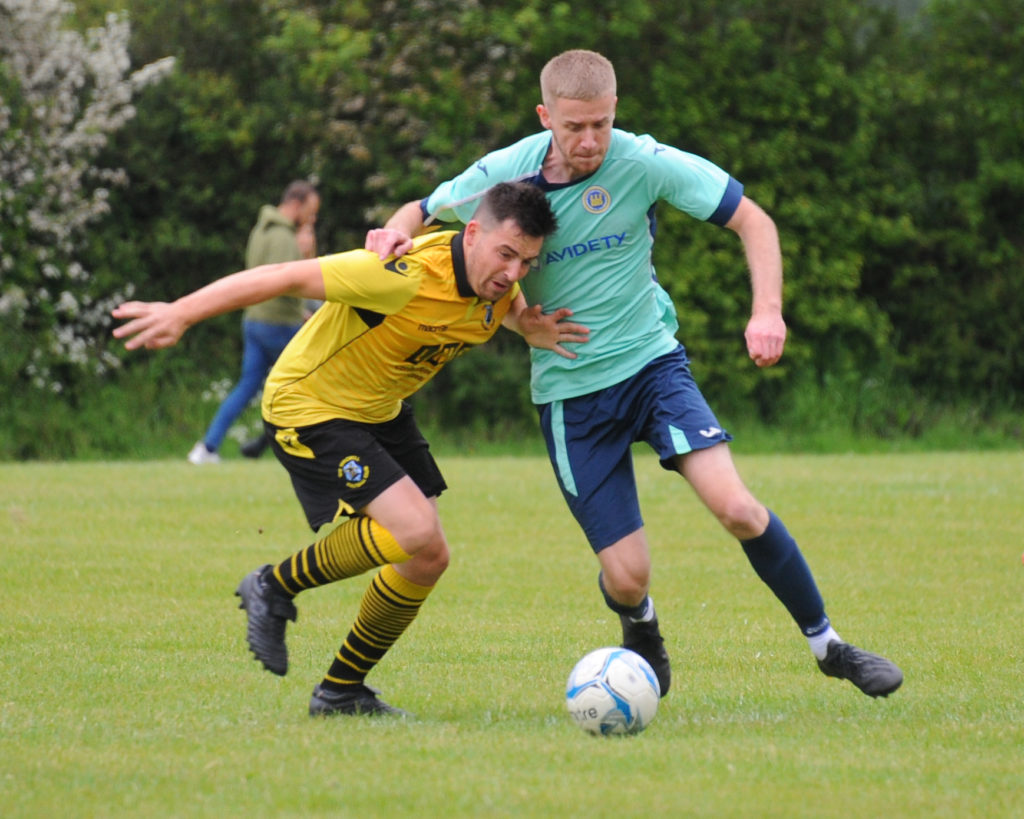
x=612, y=691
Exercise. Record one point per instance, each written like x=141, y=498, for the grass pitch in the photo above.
x=126, y=688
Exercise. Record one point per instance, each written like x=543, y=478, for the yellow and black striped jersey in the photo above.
x=385, y=329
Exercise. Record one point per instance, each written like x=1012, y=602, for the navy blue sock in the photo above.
x=778, y=562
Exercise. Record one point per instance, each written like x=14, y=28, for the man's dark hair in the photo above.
x=523, y=203
x=300, y=190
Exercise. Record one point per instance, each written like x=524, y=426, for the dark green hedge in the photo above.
x=884, y=138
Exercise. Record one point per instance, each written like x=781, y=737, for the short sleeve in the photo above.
x=360, y=279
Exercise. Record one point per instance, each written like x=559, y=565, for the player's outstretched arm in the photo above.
x=395, y=238
x=155, y=325
x=548, y=331
x=766, y=331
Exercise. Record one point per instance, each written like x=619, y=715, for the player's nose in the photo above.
x=518, y=269
x=588, y=139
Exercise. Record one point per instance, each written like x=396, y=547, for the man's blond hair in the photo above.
x=577, y=75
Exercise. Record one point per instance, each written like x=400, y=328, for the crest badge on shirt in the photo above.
x=596, y=199
x=488, y=316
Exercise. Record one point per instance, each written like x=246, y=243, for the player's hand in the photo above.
x=766, y=338
x=388, y=242
x=551, y=330
x=152, y=324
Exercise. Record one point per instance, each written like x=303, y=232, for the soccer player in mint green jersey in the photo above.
x=631, y=380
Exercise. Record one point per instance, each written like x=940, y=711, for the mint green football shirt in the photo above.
x=599, y=263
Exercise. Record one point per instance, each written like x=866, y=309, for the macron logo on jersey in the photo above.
x=574, y=251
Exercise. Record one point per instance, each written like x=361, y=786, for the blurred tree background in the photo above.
x=885, y=139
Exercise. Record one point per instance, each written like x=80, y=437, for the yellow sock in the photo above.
x=355, y=546
x=389, y=605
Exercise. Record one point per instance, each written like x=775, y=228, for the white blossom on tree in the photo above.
x=62, y=95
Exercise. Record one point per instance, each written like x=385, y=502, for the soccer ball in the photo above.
x=612, y=691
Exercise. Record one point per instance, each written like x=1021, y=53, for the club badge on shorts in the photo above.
x=354, y=473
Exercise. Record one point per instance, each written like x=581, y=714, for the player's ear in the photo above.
x=545, y=117
x=470, y=234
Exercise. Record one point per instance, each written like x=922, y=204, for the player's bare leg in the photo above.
x=777, y=559
x=396, y=527
x=390, y=603
x=625, y=579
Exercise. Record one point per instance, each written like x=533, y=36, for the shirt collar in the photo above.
x=459, y=266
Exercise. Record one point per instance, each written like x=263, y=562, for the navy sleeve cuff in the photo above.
x=730, y=201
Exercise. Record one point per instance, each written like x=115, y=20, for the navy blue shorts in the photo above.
x=589, y=439
x=339, y=466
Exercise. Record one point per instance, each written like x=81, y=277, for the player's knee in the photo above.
x=421, y=530
x=743, y=516
x=627, y=588
x=427, y=565
x=432, y=561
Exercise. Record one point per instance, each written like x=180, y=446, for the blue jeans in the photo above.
x=263, y=343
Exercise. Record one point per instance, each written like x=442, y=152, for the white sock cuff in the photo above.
x=648, y=614
x=819, y=642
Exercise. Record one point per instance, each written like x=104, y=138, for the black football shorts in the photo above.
x=337, y=467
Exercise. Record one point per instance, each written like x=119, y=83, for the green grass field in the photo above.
x=126, y=688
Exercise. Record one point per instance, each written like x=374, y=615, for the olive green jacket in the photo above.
x=273, y=240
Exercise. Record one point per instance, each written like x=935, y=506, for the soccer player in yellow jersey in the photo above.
x=334, y=410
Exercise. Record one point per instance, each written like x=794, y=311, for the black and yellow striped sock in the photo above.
x=357, y=545
x=389, y=605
